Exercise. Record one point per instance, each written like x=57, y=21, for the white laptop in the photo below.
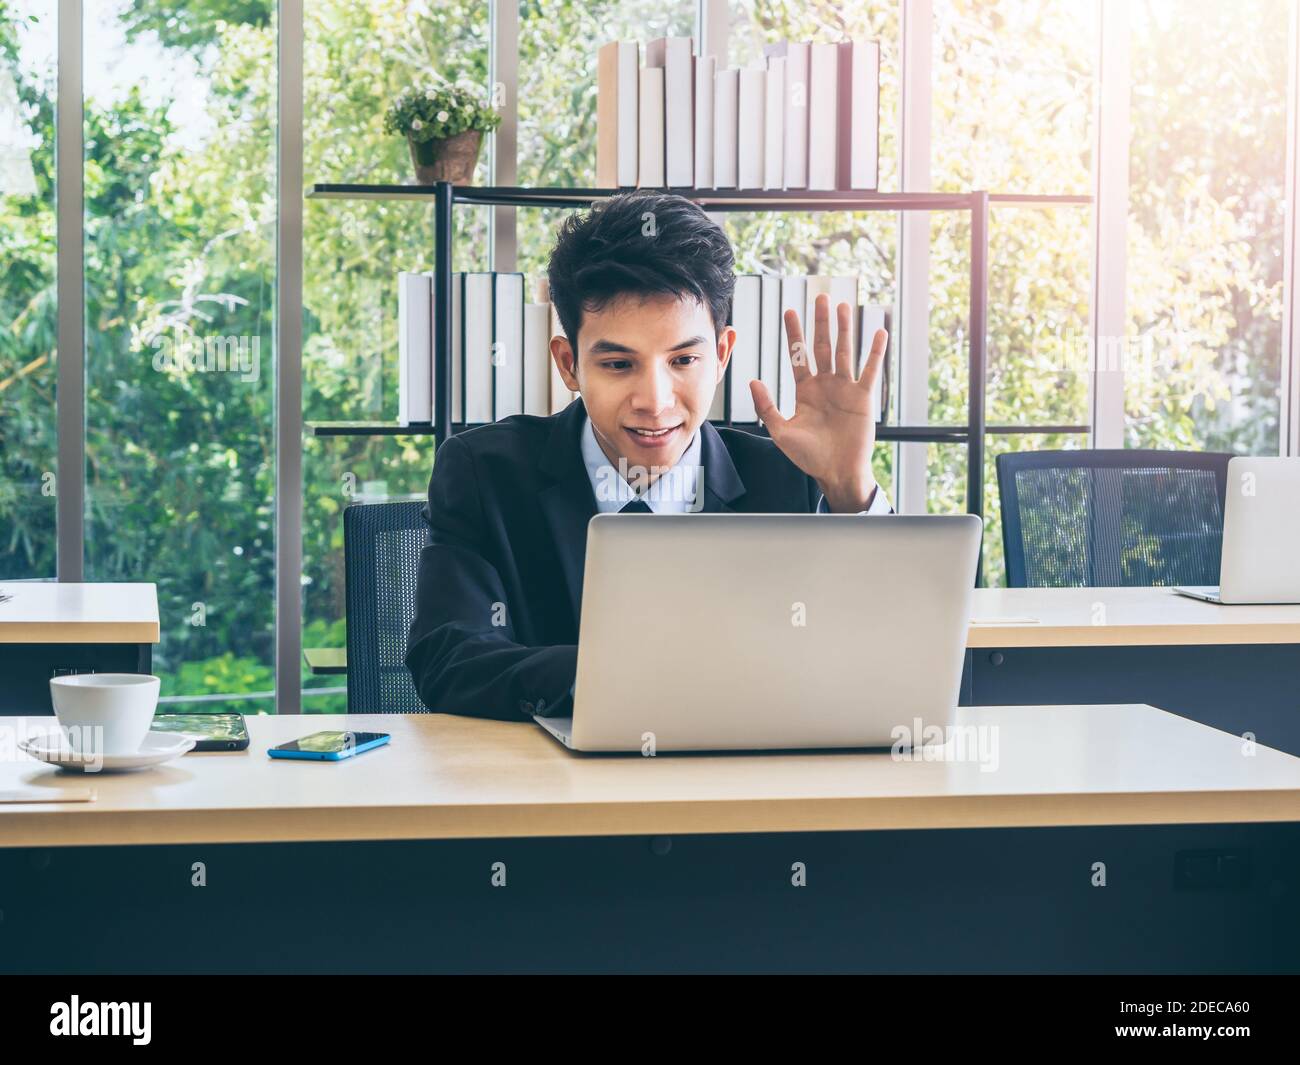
x=1261, y=535
x=770, y=631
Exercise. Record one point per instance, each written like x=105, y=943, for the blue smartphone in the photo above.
x=330, y=746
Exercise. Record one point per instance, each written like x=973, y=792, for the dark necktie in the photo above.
x=636, y=506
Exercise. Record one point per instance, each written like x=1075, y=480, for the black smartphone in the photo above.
x=215, y=732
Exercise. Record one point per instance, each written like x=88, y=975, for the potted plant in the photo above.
x=443, y=123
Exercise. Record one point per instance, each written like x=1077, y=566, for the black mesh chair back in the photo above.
x=1112, y=518
x=381, y=548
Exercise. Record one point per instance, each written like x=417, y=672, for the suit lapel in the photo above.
x=722, y=484
x=568, y=503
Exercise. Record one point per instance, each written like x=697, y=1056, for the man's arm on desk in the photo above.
x=460, y=661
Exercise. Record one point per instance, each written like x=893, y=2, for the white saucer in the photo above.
x=158, y=747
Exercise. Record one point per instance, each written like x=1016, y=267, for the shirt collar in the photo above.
x=673, y=492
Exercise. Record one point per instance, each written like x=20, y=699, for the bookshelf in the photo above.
x=446, y=197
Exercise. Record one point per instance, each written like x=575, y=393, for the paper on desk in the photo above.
x=47, y=795
x=1004, y=621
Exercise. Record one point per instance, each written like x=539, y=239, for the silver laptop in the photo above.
x=770, y=631
x=1261, y=535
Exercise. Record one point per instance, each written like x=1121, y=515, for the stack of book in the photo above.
x=762, y=348
x=500, y=350
x=501, y=346
x=805, y=116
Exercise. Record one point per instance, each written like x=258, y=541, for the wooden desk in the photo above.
x=445, y=777
x=48, y=628
x=1236, y=668
x=329, y=661
x=485, y=846
x=1117, y=617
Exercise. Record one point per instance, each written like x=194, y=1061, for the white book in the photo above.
x=477, y=347
x=414, y=349
x=617, y=88
x=823, y=123
x=718, y=408
x=844, y=290
x=561, y=397
x=673, y=55
x=816, y=285
x=433, y=344
x=838, y=290
x=747, y=320
x=458, y=348
x=793, y=292
x=705, y=71
x=751, y=125
x=508, y=345
x=874, y=316
x=650, y=168
x=537, y=358
x=774, y=125
x=864, y=148
x=769, y=350
x=726, y=102
x=796, y=115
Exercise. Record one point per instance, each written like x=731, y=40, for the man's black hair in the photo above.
x=640, y=244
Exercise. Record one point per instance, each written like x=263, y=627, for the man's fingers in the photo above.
x=875, y=364
x=843, y=342
x=767, y=411
x=822, y=333
x=798, y=350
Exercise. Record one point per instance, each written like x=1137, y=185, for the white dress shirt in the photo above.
x=673, y=492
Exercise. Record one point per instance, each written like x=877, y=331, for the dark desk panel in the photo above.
x=1178, y=898
x=26, y=669
x=1238, y=688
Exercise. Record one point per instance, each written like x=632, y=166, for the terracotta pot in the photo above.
x=449, y=159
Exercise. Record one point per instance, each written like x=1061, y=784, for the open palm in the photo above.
x=832, y=432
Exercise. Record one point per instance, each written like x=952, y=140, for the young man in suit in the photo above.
x=643, y=286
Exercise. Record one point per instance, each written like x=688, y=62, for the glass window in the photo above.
x=1012, y=113
x=28, y=319
x=180, y=156
x=353, y=251
x=1206, y=173
x=1012, y=99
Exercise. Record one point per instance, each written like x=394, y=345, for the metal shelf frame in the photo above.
x=446, y=197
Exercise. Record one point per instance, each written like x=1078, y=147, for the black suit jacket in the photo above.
x=495, y=632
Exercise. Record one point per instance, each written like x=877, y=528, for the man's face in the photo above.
x=647, y=368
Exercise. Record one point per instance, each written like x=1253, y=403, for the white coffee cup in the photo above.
x=105, y=713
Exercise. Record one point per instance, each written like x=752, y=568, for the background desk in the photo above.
x=1234, y=667
x=73, y=628
x=677, y=863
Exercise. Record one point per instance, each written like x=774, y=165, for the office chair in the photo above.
x=381, y=550
x=1112, y=518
